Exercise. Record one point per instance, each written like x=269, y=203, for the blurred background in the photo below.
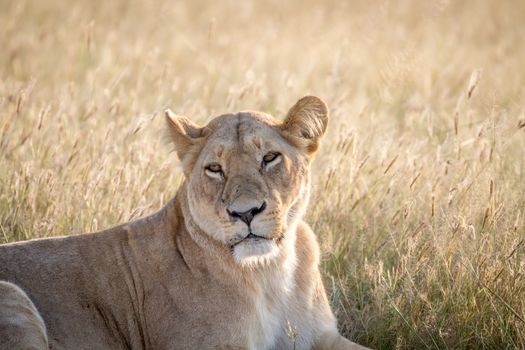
x=419, y=188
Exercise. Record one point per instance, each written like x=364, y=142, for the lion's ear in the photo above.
x=306, y=123
x=186, y=136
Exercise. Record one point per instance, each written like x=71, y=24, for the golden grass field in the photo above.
x=419, y=190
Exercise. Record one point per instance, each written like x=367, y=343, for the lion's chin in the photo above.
x=255, y=251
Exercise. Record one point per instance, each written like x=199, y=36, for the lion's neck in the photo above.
x=258, y=296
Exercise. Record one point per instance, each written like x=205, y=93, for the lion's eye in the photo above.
x=270, y=157
x=214, y=170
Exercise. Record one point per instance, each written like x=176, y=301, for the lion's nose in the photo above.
x=248, y=215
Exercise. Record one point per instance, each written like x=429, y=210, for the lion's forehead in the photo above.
x=246, y=131
x=245, y=117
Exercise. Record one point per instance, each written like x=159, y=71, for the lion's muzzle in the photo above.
x=248, y=215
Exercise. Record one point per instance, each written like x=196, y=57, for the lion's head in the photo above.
x=248, y=175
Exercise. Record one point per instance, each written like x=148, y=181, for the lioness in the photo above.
x=227, y=264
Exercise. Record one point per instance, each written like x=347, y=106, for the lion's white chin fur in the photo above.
x=255, y=251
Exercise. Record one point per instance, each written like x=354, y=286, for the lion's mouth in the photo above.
x=250, y=237
x=253, y=237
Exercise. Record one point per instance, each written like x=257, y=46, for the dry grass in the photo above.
x=420, y=193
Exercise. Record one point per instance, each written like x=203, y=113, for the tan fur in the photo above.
x=227, y=264
x=19, y=320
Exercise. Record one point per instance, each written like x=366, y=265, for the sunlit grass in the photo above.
x=419, y=195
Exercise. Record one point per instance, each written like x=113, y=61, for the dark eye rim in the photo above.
x=275, y=156
x=209, y=168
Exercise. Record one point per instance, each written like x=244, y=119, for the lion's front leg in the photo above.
x=21, y=326
x=335, y=341
x=329, y=338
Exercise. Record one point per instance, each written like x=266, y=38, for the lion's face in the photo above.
x=248, y=175
x=247, y=185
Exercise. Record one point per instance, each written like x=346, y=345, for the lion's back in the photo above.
x=21, y=326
